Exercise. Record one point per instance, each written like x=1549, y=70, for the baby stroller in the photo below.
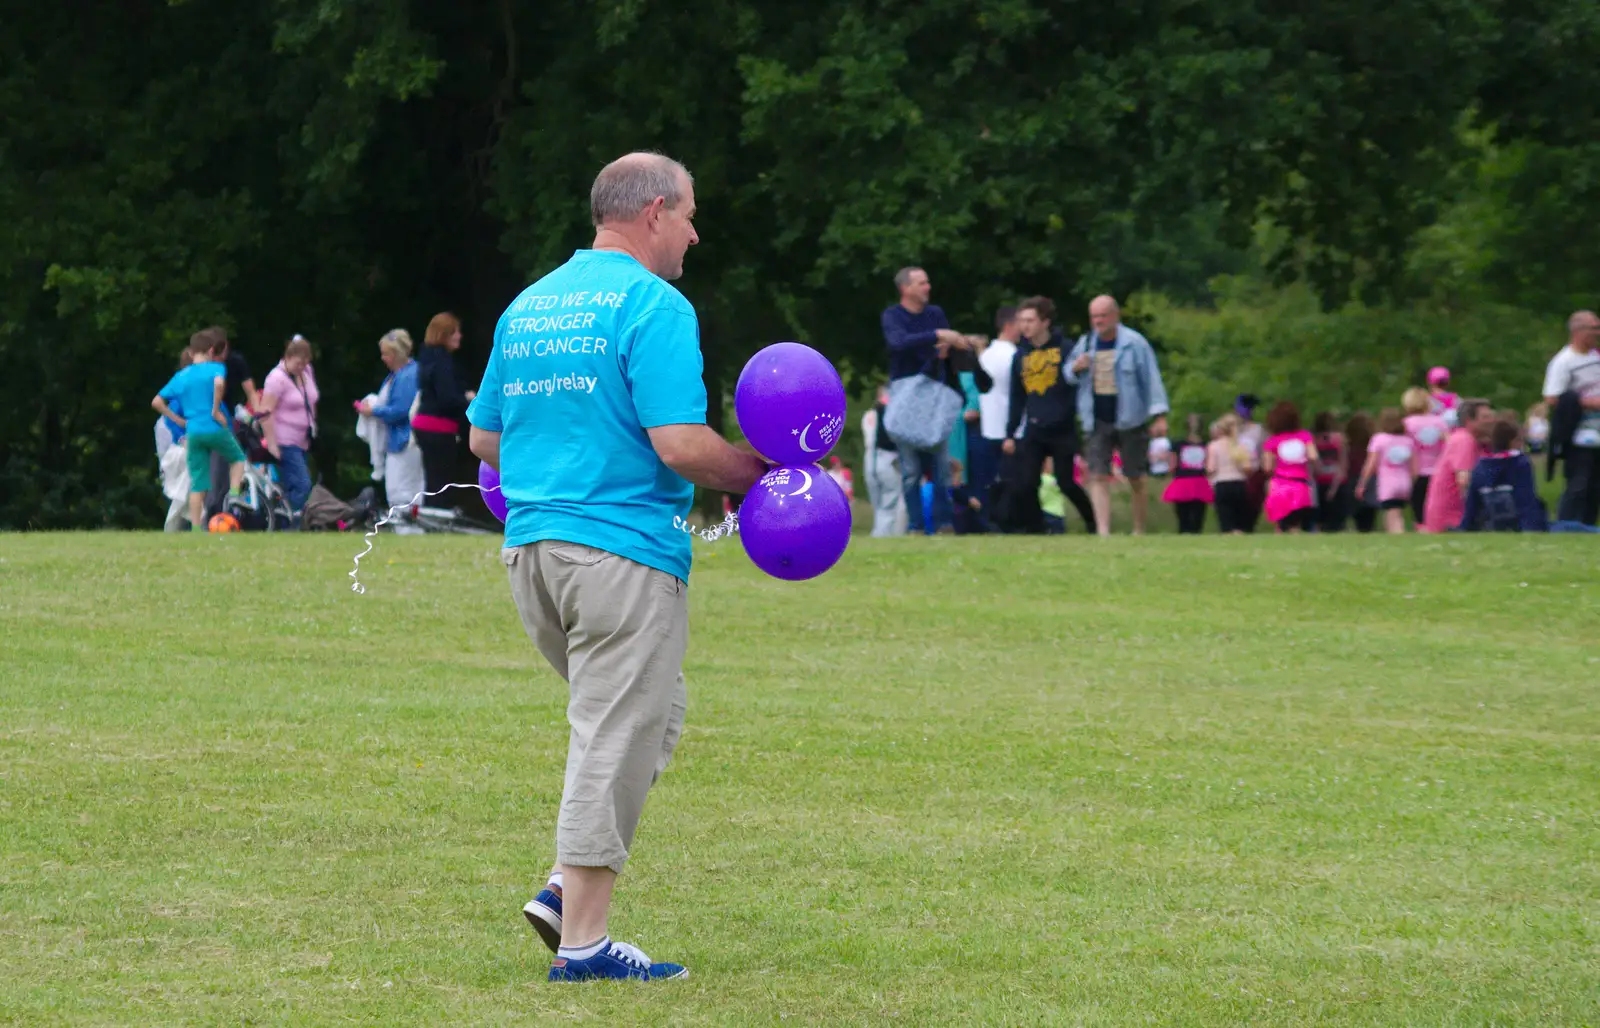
x=262, y=505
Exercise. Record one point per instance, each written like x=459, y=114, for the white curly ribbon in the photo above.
x=371, y=535
x=729, y=526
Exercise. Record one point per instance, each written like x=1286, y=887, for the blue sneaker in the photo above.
x=544, y=913
x=616, y=960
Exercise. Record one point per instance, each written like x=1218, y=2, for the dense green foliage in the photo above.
x=338, y=167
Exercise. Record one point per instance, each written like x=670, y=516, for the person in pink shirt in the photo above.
x=1442, y=401
x=289, y=398
x=1447, y=491
x=1288, y=456
x=1428, y=432
x=1392, y=456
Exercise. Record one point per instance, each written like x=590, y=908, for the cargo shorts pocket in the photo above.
x=578, y=555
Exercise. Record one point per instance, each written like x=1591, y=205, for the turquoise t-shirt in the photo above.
x=584, y=361
x=194, y=390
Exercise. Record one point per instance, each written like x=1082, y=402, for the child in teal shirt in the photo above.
x=197, y=390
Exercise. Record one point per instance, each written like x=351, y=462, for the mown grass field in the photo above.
x=1311, y=781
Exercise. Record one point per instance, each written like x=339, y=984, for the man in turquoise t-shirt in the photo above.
x=197, y=390
x=593, y=409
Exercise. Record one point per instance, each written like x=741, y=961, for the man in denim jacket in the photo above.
x=1121, y=402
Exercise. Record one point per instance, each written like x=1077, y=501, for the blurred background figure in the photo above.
x=441, y=402
x=1331, y=501
x=1189, y=492
x=1442, y=401
x=396, y=398
x=172, y=456
x=289, y=404
x=882, y=473
x=1228, y=463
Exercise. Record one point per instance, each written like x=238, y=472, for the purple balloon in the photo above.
x=790, y=404
x=795, y=522
x=493, y=498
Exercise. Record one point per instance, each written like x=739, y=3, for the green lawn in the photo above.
x=1319, y=781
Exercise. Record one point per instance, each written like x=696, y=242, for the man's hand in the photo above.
x=971, y=416
x=1080, y=365
x=1008, y=447
x=471, y=394
x=1158, y=427
x=977, y=344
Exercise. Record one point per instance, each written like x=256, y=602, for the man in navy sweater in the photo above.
x=916, y=332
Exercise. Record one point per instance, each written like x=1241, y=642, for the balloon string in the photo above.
x=371, y=535
x=728, y=526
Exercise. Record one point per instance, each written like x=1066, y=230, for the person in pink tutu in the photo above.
x=1288, y=457
x=1189, y=492
x=1392, y=457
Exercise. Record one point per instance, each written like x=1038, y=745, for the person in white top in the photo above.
x=1576, y=369
x=994, y=406
x=882, y=472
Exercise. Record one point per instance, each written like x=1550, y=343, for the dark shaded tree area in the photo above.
x=340, y=167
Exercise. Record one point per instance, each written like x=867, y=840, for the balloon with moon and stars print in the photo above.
x=790, y=404
x=795, y=522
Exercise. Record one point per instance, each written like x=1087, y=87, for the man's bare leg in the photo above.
x=585, y=904
x=1100, y=500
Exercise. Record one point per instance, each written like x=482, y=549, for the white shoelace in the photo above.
x=629, y=954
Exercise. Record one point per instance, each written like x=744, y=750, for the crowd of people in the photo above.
x=976, y=434
x=412, y=423
x=1002, y=434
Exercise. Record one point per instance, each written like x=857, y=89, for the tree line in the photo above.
x=340, y=167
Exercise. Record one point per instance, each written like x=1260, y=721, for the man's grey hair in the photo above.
x=902, y=278
x=631, y=183
x=1580, y=319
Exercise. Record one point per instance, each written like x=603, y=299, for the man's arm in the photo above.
x=705, y=458
x=485, y=446
x=1157, y=388
x=1019, y=399
x=898, y=338
x=1069, y=367
x=895, y=334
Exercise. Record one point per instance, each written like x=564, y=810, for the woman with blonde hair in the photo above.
x=1228, y=461
x=402, y=466
x=441, y=403
x=1428, y=432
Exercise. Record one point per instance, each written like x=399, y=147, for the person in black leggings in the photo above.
x=1358, y=431
x=441, y=404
